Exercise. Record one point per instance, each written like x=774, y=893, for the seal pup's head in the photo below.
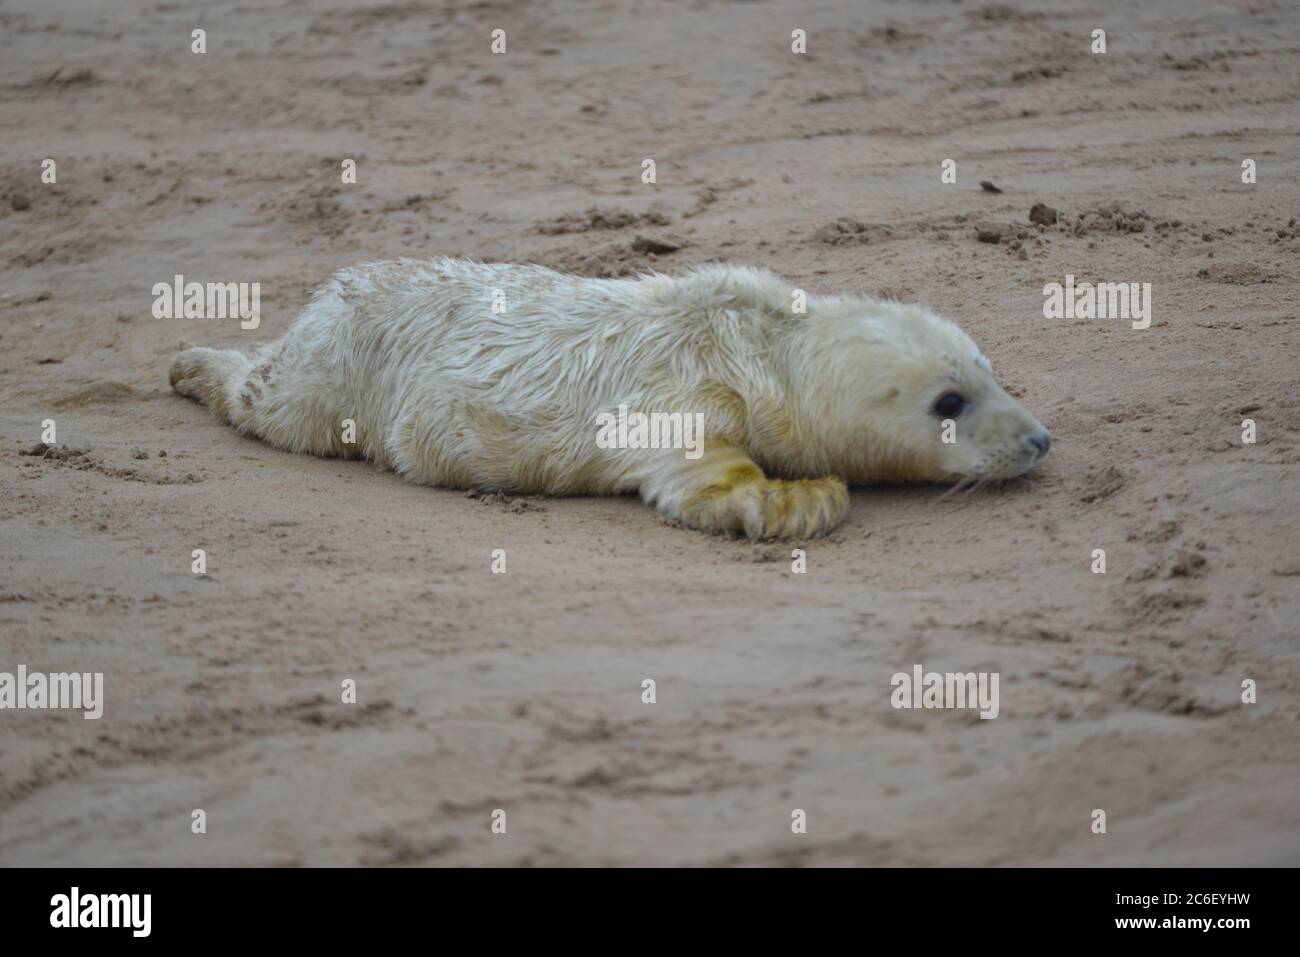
x=916, y=399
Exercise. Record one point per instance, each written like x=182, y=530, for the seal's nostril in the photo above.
x=1042, y=442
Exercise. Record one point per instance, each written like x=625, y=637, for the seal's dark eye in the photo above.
x=949, y=405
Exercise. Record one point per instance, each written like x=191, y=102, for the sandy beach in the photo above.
x=522, y=691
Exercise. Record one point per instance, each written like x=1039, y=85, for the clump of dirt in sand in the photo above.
x=596, y=218
x=507, y=503
x=1112, y=218
x=60, y=453
x=1236, y=274
x=847, y=231
x=1101, y=483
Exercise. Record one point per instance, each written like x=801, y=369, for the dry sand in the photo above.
x=523, y=691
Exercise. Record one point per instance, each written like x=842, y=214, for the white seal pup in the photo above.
x=497, y=376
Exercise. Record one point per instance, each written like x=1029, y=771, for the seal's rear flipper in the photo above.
x=210, y=375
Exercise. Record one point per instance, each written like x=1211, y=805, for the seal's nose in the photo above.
x=1041, y=442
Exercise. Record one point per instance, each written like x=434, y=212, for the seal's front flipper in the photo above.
x=725, y=490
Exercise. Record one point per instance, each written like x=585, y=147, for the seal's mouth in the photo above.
x=1003, y=466
x=1014, y=460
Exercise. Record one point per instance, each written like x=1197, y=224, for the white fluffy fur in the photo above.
x=447, y=392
